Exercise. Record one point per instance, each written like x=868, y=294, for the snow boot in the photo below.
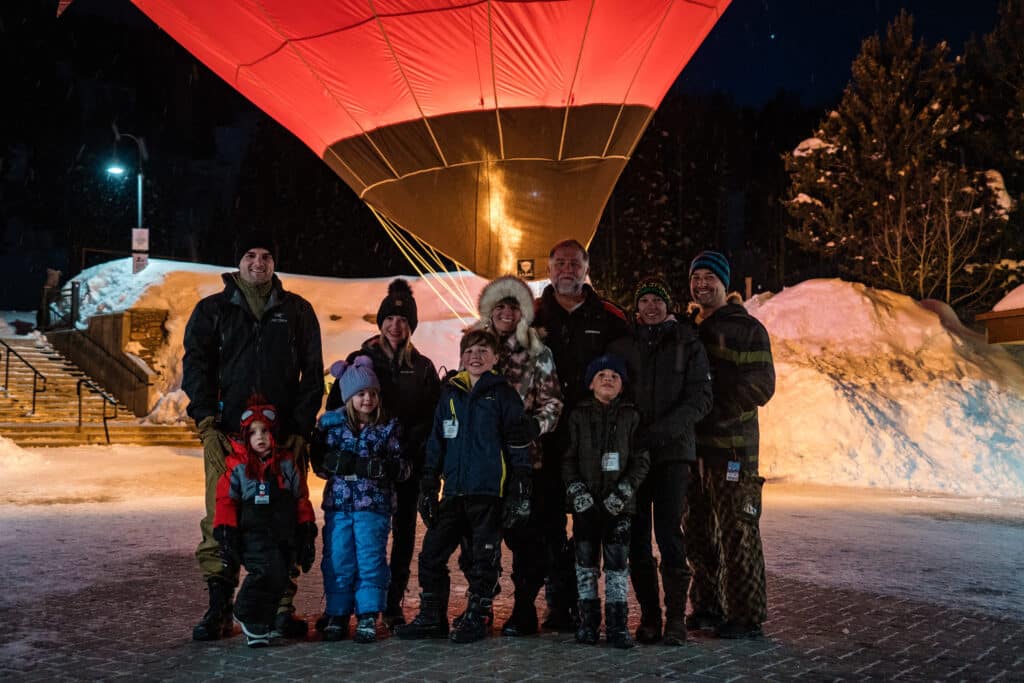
x=394, y=615
x=739, y=629
x=366, y=628
x=616, y=627
x=287, y=626
x=216, y=623
x=333, y=628
x=677, y=584
x=256, y=635
x=431, y=622
x=476, y=621
x=589, y=630
x=522, y=621
x=703, y=621
x=645, y=585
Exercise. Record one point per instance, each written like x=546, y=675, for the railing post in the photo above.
x=76, y=287
x=7, y=371
x=78, y=388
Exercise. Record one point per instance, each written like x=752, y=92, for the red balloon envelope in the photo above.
x=487, y=129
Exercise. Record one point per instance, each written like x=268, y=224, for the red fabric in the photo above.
x=227, y=507
x=329, y=70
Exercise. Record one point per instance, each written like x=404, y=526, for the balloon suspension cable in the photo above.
x=417, y=254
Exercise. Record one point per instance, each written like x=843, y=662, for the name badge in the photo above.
x=732, y=472
x=610, y=462
x=262, y=494
x=451, y=429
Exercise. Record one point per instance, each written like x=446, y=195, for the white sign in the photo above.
x=139, y=261
x=140, y=239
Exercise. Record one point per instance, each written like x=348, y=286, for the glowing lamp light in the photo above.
x=115, y=169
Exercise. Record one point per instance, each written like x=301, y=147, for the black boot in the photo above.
x=286, y=625
x=216, y=623
x=431, y=622
x=476, y=622
x=394, y=615
x=616, y=627
x=590, y=622
x=523, y=620
x=645, y=585
x=677, y=584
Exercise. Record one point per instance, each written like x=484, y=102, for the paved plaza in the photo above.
x=137, y=626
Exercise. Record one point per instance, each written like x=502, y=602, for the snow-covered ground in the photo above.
x=70, y=517
x=874, y=389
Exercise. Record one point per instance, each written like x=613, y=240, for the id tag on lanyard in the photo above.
x=610, y=462
x=732, y=472
x=262, y=494
x=451, y=428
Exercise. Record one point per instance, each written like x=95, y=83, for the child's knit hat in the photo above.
x=608, y=361
x=355, y=376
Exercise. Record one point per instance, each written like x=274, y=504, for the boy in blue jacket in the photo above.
x=477, y=447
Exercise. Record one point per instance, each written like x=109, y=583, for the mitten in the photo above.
x=580, y=497
x=305, y=535
x=230, y=546
x=516, y=510
x=615, y=502
x=428, y=505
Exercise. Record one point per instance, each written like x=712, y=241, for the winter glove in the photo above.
x=615, y=502
x=580, y=497
x=305, y=535
x=516, y=511
x=430, y=486
x=317, y=452
x=340, y=463
x=296, y=444
x=216, y=445
x=230, y=547
x=377, y=468
x=526, y=431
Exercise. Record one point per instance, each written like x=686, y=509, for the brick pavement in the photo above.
x=138, y=625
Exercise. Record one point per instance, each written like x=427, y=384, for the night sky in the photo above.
x=104, y=60
x=807, y=46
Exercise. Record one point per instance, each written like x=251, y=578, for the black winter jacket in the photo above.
x=409, y=387
x=670, y=384
x=596, y=429
x=743, y=378
x=230, y=355
x=477, y=460
x=578, y=337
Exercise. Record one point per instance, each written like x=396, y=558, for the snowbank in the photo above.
x=1015, y=299
x=873, y=390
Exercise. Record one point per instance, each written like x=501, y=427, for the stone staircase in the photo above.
x=54, y=419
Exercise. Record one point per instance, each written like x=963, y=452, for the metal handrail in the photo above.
x=36, y=376
x=107, y=398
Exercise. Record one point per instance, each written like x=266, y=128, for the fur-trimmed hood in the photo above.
x=510, y=287
x=692, y=309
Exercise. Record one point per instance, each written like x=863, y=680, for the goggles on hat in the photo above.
x=251, y=414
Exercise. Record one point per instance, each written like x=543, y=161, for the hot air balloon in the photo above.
x=486, y=129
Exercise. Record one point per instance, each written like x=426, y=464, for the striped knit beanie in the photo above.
x=713, y=261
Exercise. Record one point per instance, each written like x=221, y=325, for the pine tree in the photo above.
x=879, y=187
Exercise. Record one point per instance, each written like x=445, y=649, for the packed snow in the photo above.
x=1013, y=300
x=874, y=389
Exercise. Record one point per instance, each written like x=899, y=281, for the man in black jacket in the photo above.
x=252, y=338
x=671, y=387
x=722, y=523
x=577, y=325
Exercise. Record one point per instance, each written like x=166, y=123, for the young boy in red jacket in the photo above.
x=263, y=520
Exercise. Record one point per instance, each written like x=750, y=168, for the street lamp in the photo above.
x=140, y=236
x=118, y=170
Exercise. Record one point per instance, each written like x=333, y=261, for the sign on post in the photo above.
x=140, y=249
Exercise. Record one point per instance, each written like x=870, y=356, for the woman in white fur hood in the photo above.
x=506, y=308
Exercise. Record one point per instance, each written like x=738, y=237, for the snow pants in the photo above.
x=597, y=535
x=267, y=563
x=475, y=518
x=354, y=563
x=722, y=527
x=403, y=540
